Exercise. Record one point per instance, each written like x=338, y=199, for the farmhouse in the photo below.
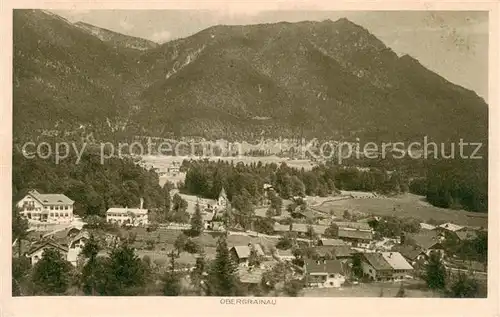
x=337, y=252
x=427, y=241
x=385, y=266
x=35, y=254
x=361, y=226
x=356, y=238
x=412, y=254
x=241, y=253
x=76, y=246
x=464, y=235
x=250, y=276
x=330, y=242
x=52, y=208
x=301, y=229
x=324, y=273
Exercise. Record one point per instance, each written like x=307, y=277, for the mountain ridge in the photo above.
x=309, y=78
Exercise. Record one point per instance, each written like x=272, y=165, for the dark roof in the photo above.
x=355, y=234
x=466, y=235
x=328, y=266
x=47, y=243
x=343, y=251
x=250, y=275
x=377, y=261
x=426, y=239
x=334, y=250
x=243, y=251
x=408, y=251
x=324, y=250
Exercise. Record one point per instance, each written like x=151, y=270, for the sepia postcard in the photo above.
x=221, y=158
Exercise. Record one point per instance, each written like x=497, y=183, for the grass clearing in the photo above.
x=406, y=205
x=414, y=289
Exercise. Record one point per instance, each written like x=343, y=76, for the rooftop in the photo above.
x=408, y=251
x=355, y=234
x=127, y=210
x=377, y=261
x=51, y=199
x=324, y=266
x=466, y=235
x=332, y=242
x=45, y=244
x=243, y=251
x=353, y=225
x=250, y=275
x=427, y=226
x=396, y=261
x=450, y=226
x=425, y=240
x=280, y=227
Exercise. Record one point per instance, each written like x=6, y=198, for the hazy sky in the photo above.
x=452, y=43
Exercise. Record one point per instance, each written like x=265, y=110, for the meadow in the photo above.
x=406, y=205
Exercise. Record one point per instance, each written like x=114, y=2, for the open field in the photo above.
x=415, y=289
x=407, y=205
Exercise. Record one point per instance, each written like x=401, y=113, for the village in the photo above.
x=327, y=253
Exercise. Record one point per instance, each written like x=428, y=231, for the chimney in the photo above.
x=142, y=202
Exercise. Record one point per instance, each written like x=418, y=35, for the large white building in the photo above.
x=132, y=216
x=51, y=208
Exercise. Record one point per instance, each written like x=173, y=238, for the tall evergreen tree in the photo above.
x=51, y=274
x=197, y=221
x=171, y=279
x=180, y=243
x=92, y=270
x=435, y=272
x=126, y=274
x=254, y=258
x=222, y=278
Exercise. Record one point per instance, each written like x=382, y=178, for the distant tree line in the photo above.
x=93, y=186
x=206, y=178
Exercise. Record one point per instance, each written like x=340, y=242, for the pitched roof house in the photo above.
x=427, y=240
x=356, y=237
x=36, y=251
x=362, y=226
x=324, y=273
x=385, y=266
x=337, y=252
x=410, y=253
x=241, y=253
x=466, y=235
x=325, y=241
x=52, y=208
